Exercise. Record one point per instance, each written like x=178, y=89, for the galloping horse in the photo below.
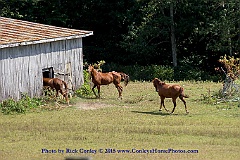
x=169, y=91
x=57, y=84
x=99, y=78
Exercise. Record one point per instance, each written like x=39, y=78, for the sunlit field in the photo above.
x=131, y=128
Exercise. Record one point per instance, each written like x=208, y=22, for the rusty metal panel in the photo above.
x=15, y=32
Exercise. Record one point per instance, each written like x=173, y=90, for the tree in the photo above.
x=148, y=40
x=231, y=69
x=173, y=39
x=203, y=31
x=166, y=32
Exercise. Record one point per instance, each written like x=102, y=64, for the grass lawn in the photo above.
x=109, y=128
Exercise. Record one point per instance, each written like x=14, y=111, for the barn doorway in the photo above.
x=48, y=72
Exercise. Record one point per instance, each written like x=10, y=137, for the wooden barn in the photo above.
x=30, y=51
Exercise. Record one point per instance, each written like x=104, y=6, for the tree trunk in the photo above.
x=238, y=42
x=230, y=43
x=173, y=39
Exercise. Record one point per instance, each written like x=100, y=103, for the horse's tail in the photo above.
x=66, y=87
x=182, y=94
x=125, y=77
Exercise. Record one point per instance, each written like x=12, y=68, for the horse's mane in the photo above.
x=162, y=83
x=159, y=81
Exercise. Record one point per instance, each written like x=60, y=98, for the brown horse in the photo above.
x=169, y=91
x=57, y=84
x=99, y=78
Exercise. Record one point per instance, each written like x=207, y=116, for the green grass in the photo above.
x=131, y=123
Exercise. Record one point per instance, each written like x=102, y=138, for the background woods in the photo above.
x=189, y=35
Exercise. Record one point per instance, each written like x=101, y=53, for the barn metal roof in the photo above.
x=15, y=32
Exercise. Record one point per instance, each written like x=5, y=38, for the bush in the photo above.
x=137, y=72
x=185, y=72
x=85, y=90
x=10, y=106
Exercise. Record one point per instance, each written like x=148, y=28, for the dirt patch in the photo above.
x=91, y=106
x=95, y=105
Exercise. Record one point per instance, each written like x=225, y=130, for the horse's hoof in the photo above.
x=160, y=110
x=187, y=112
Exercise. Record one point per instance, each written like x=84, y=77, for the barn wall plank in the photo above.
x=21, y=66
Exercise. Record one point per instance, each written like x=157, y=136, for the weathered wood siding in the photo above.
x=21, y=66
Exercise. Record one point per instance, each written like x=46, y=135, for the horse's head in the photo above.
x=156, y=83
x=90, y=68
x=124, y=77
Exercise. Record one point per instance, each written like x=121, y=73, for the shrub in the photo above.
x=232, y=66
x=137, y=72
x=162, y=72
x=184, y=72
x=30, y=103
x=11, y=106
x=85, y=90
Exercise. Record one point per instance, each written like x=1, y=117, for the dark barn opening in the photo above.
x=48, y=72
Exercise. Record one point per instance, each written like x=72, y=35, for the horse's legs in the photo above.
x=57, y=88
x=184, y=102
x=174, y=103
x=162, y=104
x=56, y=93
x=120, y=89
x=160, y=109
x=98, y=88
x=94, y=91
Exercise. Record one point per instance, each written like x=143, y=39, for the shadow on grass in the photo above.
x=159, y=113
x=88, y=97
x=152, y=113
